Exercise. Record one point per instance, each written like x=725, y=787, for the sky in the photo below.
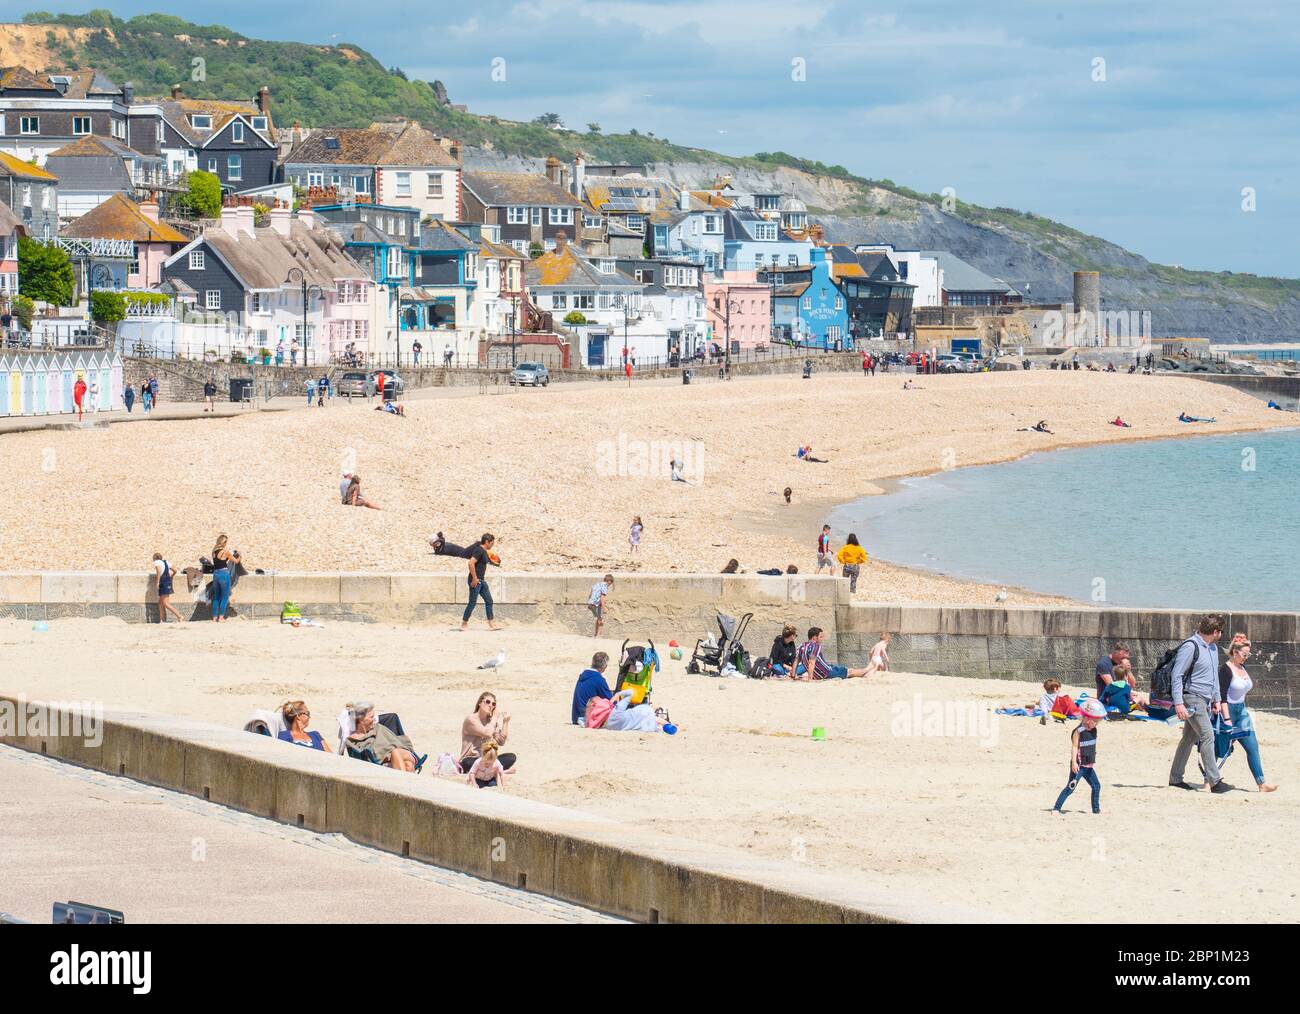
x=1158, y=125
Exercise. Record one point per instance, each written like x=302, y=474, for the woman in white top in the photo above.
x=1234, y=684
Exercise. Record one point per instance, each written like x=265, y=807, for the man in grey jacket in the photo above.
x=1196, y=698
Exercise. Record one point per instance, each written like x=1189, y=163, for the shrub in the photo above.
x=44, y=272
x=107, y=307
x=24, y=309
x=575, y=317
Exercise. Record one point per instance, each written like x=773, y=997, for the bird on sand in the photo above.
x=1001, y=596
x=495, y=663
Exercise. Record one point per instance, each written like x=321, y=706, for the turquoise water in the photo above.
x=1203, y=523
x=1269, y=352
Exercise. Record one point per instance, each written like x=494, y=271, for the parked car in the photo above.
x=356, y=384
x=530, y=375
x=949, y=363
x=392, y=382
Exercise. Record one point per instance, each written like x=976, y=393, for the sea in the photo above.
x=1268, y=352
x=1208, y=523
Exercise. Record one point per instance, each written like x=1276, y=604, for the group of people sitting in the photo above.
x=380, y=739
x=596, y=706
x=350, y=490
x=807, y=661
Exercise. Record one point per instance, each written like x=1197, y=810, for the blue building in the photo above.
x=809, y=306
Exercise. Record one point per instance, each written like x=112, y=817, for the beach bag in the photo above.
x=290, y=613
x=1162, y=679
x=761, y=669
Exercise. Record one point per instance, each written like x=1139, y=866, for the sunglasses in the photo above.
x=489, y=704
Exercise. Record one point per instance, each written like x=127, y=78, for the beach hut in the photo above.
x=104, y=378
x=117, y=369
x=65, y=384
x=15, y=388
x=40, y=370
x=4, y=385
x=53, y=386
x=29, y=388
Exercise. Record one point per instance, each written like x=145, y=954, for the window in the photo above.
x=591, y=221
x=606, y=266
x=516, y=216
x=636, y=223
x=520, y=246
x=807, y=302
x=235, y=167
x=604, y=301
x=198, y=260
x=212, y=165
x=536, y=215
x=315, y=179
x=765, y=231
x=237, y=132
x=199, y=122
x=304, y=334
x=336, y=180
x=793, y=260
x=559, y=301
x=212, y=299
x=561, y=216
x=361, y=184
x=435, y=185
x=839, y=302
x=160, y=133
x=645, y=275
x=30, y=124
x=713, y=224
x=584, y=301
x=258, y=303
x=902, y=270
x=119, y=129
x=833, y=333
x=395, y=262
x=81, y=125
x=403, y=184
x=259, y=123
x=45, y=198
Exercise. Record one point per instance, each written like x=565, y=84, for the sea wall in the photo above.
x=1283, y=390
x=1021, y=643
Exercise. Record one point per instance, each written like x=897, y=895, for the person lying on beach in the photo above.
x=1184, y=417
x=441, y=547
x=1117, y=421
x=352, y=495
x=628, y=717
x=1038, y=427
x=811, y=656
x=392, y=408
x=805, y=454
x=909, y=386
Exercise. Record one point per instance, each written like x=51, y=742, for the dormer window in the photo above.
x=201, y=122
x=259, y=123
x=607, y=266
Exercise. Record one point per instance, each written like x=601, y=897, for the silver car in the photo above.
x=530, y=374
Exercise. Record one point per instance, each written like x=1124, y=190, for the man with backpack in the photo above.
x=1195, y=692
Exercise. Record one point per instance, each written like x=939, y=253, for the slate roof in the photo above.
x=498, y=189
x=958, y=276
x=92, y=144
x=119, y=217
x=177, y=112
x=9, y=222
x=21, y=77
x=438, y=235
x=355, y=147
x=416, y=146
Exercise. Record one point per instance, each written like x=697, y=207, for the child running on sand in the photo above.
x=487, y=772
x=1083, y=755
x=879, y=655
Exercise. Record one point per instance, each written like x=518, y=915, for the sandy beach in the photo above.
x=559, y=473
x=956, y=811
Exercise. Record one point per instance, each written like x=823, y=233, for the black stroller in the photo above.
x=711, y=658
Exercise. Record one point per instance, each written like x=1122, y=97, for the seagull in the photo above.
x=495, y=663
x=1001, y=596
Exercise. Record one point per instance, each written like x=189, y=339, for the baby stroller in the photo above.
x=711, y=657
x=637, y=666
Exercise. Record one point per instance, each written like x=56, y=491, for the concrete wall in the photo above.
x=1283, y=390
x=577, y=857
x=1016, y=642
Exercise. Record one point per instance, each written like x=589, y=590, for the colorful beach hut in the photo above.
x=117, y=369
x=29, y=388
x=104, y=363
x=65, y=384
x=4, y=385
x=40, y=369
x=15, y=388
x=53, y=384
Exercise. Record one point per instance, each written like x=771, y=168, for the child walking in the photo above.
x=1083, y=754
x=634, y=537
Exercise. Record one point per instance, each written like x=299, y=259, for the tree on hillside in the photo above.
x=549, y=120
x=44, y=272
x=593, y=128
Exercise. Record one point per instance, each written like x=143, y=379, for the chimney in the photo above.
x=307, y=218
x=280, y=219
x=564, y=176
x=553, y=169
x=176, y=92
x=150, y=210
x=684, y=200
x=128, y=93
x=244, y=217
x=264, y=100
x=579, y=175
x=229, y=222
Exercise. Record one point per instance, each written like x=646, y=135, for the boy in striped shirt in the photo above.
x=813, y=659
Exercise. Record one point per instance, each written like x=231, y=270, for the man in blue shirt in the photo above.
x=591, y=683
x=1196, y=698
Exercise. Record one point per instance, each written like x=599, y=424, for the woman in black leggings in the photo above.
x=483, y=725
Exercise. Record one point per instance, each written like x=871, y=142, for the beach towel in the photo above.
x=266, y=723
x=346, y=728
x=598, y=711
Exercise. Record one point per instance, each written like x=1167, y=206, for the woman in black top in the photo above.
x=783, y=649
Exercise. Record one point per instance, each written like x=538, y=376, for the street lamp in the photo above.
x=306, y=289
x=623, y=304
x=514, y=329
x=726, y=325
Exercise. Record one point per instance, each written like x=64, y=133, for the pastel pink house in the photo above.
x=739, y=309
x=120, y=218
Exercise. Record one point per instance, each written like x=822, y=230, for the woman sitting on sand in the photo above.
x=352, y=495
x=783, y=652
x=485, y=725
x=732, y=567
x=805, y=454
x=389, y=748
x=296, y=716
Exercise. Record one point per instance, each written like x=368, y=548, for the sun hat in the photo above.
x=1093, y=708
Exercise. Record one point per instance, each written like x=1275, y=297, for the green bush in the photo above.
x=575, y=317
x=107, y=307
x=24, y=309
x=44, y=272
x=202, y=196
